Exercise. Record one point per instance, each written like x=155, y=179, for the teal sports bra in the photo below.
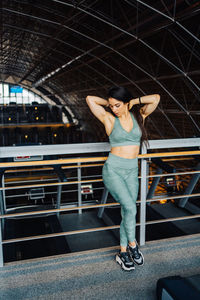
x=120, y=137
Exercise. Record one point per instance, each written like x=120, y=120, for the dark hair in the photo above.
x=122, y=94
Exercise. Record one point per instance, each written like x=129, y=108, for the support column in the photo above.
x=190, y=187
x=154, y=185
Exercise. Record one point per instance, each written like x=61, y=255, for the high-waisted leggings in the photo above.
x=120, y=176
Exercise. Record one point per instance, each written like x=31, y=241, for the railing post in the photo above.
x=143, y=193
x=59, y=191
x=103, y=201
x=2, y=202
x=79, y=188
x=1, y=245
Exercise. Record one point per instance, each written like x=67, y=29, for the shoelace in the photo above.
x=126, y=257
x=135, y=252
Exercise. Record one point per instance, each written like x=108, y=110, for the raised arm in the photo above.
x=96, y=105
x=150, y=103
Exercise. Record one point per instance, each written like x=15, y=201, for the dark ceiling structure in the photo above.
x=69, y=49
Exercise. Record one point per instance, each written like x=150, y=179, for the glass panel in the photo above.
x=19, y=100
x=6, y=90
x=25, y=93
x=1, y=90
x=31, y=96
x=6, y=100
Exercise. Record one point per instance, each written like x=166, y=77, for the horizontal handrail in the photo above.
x=173, y=197
x=49, y=184
x=172, y=174
x=91, y=159
x=78, y=148
x=50, y=235
x=9, y=181
x=53, y=177
x=49, y=211
x=52, y=192
x=56, y=210
x=169, y=154
x=51, y=168
x=85, y=181
x=71, y=166
x=50, y=162
x=29, y=170
x=173, y=219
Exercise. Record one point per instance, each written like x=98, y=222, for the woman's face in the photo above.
x=117, y=107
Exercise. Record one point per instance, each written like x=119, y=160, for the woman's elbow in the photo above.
x=88, y=99
x=157, y=98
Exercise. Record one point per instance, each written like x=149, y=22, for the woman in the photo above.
x=120, y=172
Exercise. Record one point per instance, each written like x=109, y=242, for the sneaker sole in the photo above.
x=120, y=262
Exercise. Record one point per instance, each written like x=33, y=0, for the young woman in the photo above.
x=125, y=127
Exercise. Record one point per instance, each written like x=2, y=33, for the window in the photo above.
x=13, y=93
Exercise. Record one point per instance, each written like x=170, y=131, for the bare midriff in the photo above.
x=129, y=152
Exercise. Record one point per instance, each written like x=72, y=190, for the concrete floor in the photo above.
x=95, y=275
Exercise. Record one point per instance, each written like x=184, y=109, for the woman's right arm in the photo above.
x=96, y=105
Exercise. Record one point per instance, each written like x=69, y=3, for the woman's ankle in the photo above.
x=132, y=244
x=123, y=248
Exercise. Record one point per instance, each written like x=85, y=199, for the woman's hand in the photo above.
x=132, y=102
x=150, y=102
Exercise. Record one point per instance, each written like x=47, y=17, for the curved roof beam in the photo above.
x=63, y=42
x=168, y=17
x=48, y=76
x=184, y=43
x=91, y=50
x=102, y=44
x=50, y=36
x=132, y=35
x=172, y=125
x=151, y=48
x=162, y=86
x=156, y=128
x=153, y=78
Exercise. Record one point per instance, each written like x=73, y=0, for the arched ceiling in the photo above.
x=74, y=48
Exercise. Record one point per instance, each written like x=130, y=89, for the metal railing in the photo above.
x=78, y=163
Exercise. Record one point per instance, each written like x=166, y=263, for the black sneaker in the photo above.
x=125, y=261
x=136, y=255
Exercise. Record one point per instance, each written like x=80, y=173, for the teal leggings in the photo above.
x=120, y=176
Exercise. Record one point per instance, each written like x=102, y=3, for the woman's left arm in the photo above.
x=149, y=103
